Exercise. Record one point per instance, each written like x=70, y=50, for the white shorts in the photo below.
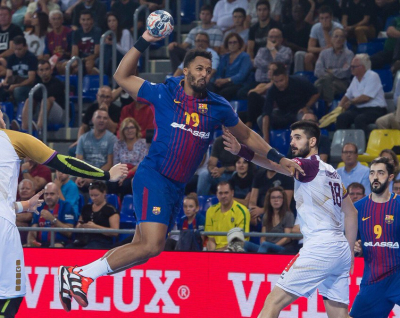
x=12, y=266
x=324, y=267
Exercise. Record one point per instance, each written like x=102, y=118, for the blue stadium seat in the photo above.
x=55, y=127
x=18, y=115
x=91, y=84
x=239, y=105
x=309, y=75
x=81, y=202
x=370, y=48
x=280, y=139
x=320, y=108
x=128, y=219
x=205, y=201
x=8, y=108
x=389, y=21
x=324, y=132
x=386, y=79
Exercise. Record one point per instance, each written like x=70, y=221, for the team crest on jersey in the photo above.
x=389, y=219
x=232, y=220
x=156, y=210
x=203, y=108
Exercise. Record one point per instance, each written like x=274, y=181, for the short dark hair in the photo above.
x=192, y=54
x=98, y=185
x=356, y=185
x=86, y=11
x=5, y=8
x=265, y=3
x=222, y=183
x=310, y=129
x=386, y=162
x=193, y=196
x=42, y=62
x=231, y=35
x=19, y=39
x=280, y=69
x=240, y=10
x=206, y=8
x=203, y=34
x=352, y=144
x=396, y=181
x=325, y=9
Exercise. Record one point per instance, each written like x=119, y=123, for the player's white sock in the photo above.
x=96, y=269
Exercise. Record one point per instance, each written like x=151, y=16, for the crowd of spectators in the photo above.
x=258, y=48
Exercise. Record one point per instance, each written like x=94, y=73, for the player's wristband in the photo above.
x=141, y=45
x=274, y=155
x=19, y=207
x=25, y=171
x=246, y=153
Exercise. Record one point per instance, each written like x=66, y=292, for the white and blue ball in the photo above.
x=160, y=23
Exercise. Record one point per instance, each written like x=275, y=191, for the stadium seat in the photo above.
x=324, y=132
x=309, y=75
x=128, y=219
x=370, y=48
x=55, y=127
x=280, y=139
x=90, y=86
x=378, y=140
x=239, y=105
x=341, y=164
x=343, y=136
x=81, y=202
x=386, y=79
x=320, y=108
x=389, y=21
x=205, y=201
x=18, y=115
x=8, y=108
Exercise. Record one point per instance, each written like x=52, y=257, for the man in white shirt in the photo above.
x=364, y=100
x=222, y=15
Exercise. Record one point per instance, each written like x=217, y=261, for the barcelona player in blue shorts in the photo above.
x=186, y=117
x=379, y=228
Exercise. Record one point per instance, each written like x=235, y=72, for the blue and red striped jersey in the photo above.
x=184, y=127
x=379, y=228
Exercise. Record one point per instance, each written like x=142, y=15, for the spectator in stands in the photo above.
x=233, y=69
x=353, y=170
x=96, y=146
x=287, y=11
x=124, y=42
x=18, y=10
x=97, y=215
x=221, y=165
x=390, y=121
x=391, y=155
x=390, y=52
x=45, y=6
x=356, y=20
x=332, y=4
x=333, y=68
x=21, y=71
x=239, y=19
x=39, y=174
x=256, y=98
x=103, y=100
x=131, y=150
x=124, y=10
x=364, y=100
x=8, y=32
x=356, y=191
x=324, y=147
x=86, y=43
x=141, y=112
x=35, y=38
x=258, y=33
x=277, y=218
x=241, y=181
x=274, y=51
x=153, y=5
x=68, y=191
x=320, y=35
x=54, y=213
x=396, y=187
x=26, y=190
x=55, y=99
x=224, y=216
x=97, y=11
x=383, y=9
x=58, y=42
x=178, y=51
x=264, y=180
x=202, y=42
x=297, y=32
x=192, y=220
x=222, y=15
x=276, y=10
x=287, y=100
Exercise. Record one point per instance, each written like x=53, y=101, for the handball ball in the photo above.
x=160, y=23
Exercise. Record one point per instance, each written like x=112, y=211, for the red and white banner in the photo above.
x=174, y=284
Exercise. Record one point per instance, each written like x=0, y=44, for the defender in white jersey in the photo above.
x=327, y=256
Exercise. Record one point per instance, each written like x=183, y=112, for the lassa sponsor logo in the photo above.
x=382, y=244
x=201, y=134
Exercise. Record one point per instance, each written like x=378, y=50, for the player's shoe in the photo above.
x=64, y=288
x=79, y=286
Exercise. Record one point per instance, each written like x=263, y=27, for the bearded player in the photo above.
x=325, y=260
x=186, y=117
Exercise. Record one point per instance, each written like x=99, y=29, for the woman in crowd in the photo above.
x=35, y=38
x=131, y=150
x=391, y=155
x=233, y=69
x=97, y=215
x=241, y=180
x=277, y=219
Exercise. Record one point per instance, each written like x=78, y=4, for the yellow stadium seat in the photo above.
x=341, y=164
x=378, y=140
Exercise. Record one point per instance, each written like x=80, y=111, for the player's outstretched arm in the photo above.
x=30, y=205
x=350, y=225
x=285, y=166
x=125, y=75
